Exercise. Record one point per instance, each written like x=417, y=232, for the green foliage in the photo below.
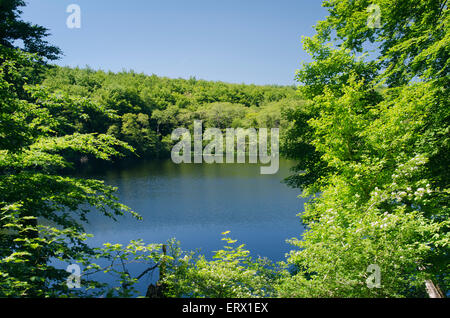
x=413, y=39
x=115, y=260
x=136, y=131
x=13, y=29
x=168, y=103
x=232, y=273
x=373, y=158
x=370, y=131
x=41, y=211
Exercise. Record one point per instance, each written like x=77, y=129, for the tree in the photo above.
x=372, y=141
x=33, y=149
x=220, y=115
x=232, y=273
x=165, y=118
x=136, y=131
x=13, y=29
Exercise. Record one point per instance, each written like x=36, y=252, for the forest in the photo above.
x=146, y=109
x=369, y=134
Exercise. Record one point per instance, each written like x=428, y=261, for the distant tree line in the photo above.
x=143, y=110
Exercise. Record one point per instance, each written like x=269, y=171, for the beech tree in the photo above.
x=41, y=211
x=372, y=144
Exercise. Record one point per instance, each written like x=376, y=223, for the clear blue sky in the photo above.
x=237, y=41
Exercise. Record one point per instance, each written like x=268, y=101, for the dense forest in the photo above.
x=144, y=110
x=370, y=135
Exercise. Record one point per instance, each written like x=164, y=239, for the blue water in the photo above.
x=194, y=203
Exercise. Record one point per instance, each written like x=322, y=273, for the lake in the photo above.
x=194, y=203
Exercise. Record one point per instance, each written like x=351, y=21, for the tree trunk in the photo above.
x=157, y=291
x=433, y=290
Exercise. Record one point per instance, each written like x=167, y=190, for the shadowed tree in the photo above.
x=16, y=33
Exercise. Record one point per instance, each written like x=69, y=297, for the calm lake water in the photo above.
x=194, y=203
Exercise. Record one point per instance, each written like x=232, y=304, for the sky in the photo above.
x=236, y=41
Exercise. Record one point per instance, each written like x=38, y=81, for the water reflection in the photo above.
x=196, y=202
